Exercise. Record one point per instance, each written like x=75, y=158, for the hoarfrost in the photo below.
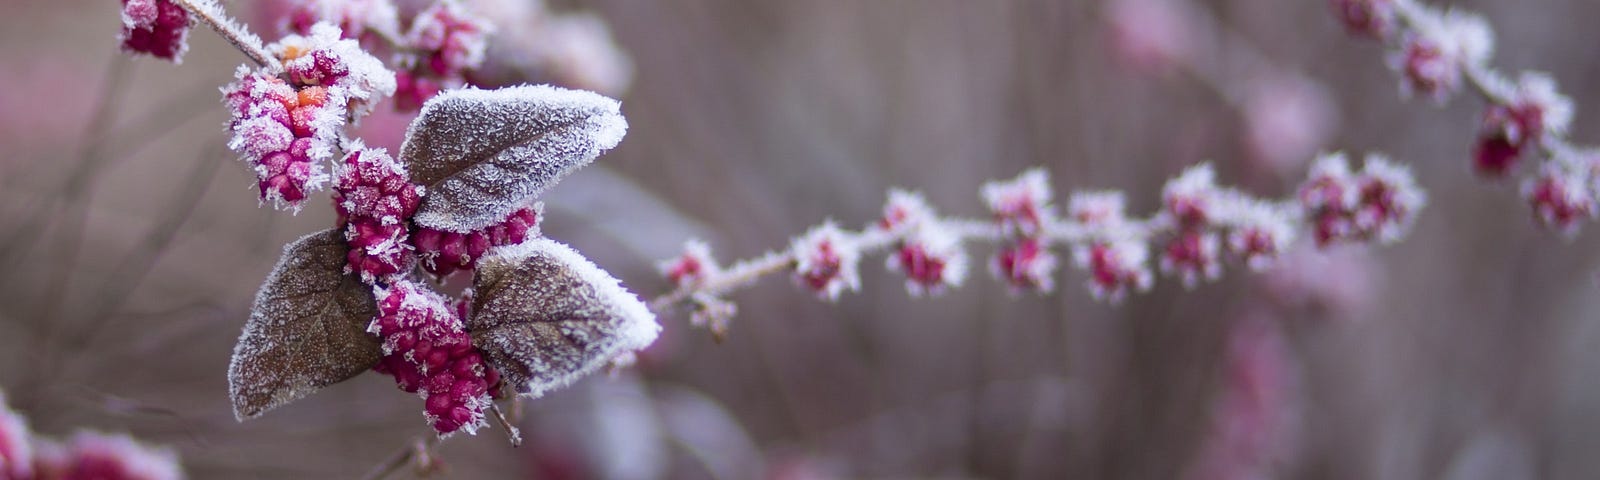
x=545, y=316
x=483, y=154
x=307, y=328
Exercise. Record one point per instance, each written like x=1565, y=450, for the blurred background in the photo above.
x=133, y=244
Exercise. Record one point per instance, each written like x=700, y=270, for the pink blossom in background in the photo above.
x=1287, y=118
x=1254, y=417
x=1151, y=35
x=16, y=453
x=31, y=123
x=1341, y=283
x=98, y=456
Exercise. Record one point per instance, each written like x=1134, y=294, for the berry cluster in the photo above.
x=1379, y=203
x=427, y=351
x=825, y=261
x=159, y=28
x=287, y=130
x=444, y=252
x=363, y=20
x=374, y=198
x=927, y=249
x=1199, y=225
x=444, y=42
x=1020, y=208
x=1440, y=52
x=87, y=455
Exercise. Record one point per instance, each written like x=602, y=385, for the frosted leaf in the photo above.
x=545, y=316
x=307, y=329
x=483, y=153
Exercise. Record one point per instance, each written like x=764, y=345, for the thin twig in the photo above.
x=211, y=14
x=513, y=435
x=417, y=446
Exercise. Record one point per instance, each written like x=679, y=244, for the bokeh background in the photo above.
x=132, y=245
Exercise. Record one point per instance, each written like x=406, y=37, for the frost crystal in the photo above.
x=307, y=329
x=545, y=316
x=483, y=154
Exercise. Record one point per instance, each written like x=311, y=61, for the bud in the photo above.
x=931, y=258
x=1560, y=197
x=825, y=261
x=1115, y=267
x=159, y=28
x=692, y=267
x=1020, y=205
x=1025, y=265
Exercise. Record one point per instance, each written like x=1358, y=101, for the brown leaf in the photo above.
x=545, y=316
x=482, y=154
x=307, y=329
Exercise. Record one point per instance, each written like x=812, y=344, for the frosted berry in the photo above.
x=1025, y=265
x=1373, y=18
x=692, y=267
x=931, y=258
x=159, y=28
x=444, y=252
x=428, y=351
x=1561, y=197
x=452, y=39
x=1020, y=205
x=1115, y=268
x=826, y=261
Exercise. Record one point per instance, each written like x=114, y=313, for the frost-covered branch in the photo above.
x=1199, y=223
x=1438, y=53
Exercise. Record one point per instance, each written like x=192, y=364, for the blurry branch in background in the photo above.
x=1438, y=53
x=1198, y=223
x=1286, y=115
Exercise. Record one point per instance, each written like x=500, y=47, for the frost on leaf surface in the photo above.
x=546, y=316
x=483, y=153
x=307, y=329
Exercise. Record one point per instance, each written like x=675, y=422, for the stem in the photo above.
x=211, y=14
x=1480, y=78
x=416, y=449
x=868, y=241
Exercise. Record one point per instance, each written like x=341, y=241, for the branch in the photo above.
x=1438, y=53
x=211, y=14
x=1198, y=223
